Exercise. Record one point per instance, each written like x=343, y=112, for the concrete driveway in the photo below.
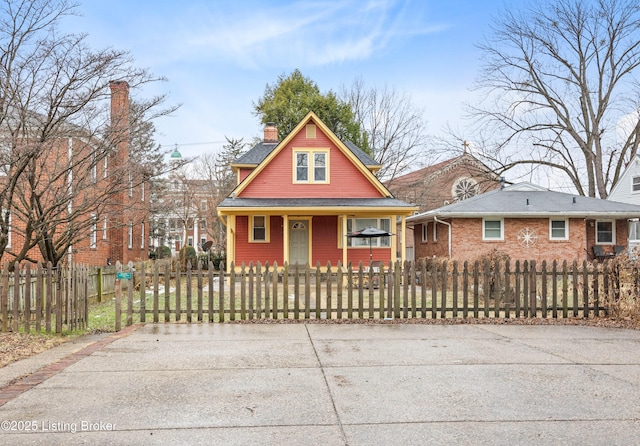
x=313, y=384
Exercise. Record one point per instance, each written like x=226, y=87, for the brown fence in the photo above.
x=33, y=298
x=394, y=291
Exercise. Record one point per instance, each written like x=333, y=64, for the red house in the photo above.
x=296, y=201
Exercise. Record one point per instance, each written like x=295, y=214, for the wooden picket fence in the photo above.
x=36, y=298
x=395, y=291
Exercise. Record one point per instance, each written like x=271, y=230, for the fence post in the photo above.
x=221, y=292
x=16, y=297
x=38, y=298
x=4, y=298
x=543, y=302
x=118, y=298
x=211, y=288
x=266, y=308
x=274, y=285
x=143, y=291
x=507, y=289
x=443, y=291
x=339, y=286
x=329, y=312
x=318, y=290
x=434, y=288
x=232, y=290
x=99, y=284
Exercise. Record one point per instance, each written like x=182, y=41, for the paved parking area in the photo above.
x=333, y=384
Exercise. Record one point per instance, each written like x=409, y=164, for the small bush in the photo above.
x=163, y=252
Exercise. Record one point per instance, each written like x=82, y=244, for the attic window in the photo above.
x=635, y=184
x=311, y=131
x=311, y=166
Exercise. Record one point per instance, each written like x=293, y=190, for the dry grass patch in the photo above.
x=16, y=346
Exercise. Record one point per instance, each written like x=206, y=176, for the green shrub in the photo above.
x=163, y=252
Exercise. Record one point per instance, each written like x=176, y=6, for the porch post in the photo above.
x=231, y=241
x=285, y=237
x=403, y=240
x=394, y=240
x=344, y=240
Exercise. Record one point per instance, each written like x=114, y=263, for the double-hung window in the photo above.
x=492, y=229
x=558, y=230
x=93, y=234
x=605, y=232
x=259, y=228
x=311, y=166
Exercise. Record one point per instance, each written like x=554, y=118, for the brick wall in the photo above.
x=467, y=243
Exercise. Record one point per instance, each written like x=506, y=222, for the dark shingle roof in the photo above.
x=360, y=154
x=313, y=202
x=260, y=151
x=257, y=153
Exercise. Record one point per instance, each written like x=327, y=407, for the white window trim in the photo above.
x=613, y=232
x=104, y=228
x=142, y=235
x=425, y=232
x=130, y=235
x=501, y=238
x=435, y=231
x=632, y=184
x=566, y=229
x=93, y=234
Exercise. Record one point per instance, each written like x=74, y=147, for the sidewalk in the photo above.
x=333, y=384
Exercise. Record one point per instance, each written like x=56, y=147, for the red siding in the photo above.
x=259, y=252
x=323, y=239
x=276, y=179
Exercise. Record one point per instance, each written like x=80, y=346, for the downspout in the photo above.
x=435, y=218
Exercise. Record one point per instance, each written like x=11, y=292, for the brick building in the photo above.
x=73, y=171
x=441, y=184
x=526, y=222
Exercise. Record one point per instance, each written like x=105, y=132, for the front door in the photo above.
x=298, y=242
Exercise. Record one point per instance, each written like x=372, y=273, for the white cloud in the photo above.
x=302, y=33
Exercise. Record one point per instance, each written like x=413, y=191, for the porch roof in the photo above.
x=322, y=205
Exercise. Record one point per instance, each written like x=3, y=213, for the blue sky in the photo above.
x=218, y=55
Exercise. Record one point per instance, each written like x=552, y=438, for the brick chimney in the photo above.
x=117, y=162
x=270, y=133
x=120, y=114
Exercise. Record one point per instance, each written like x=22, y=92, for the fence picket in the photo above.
x=329, y=313
x=27, y=298
x=327, y=292
x=543, y=301
x=39, y=296
x=4, y=298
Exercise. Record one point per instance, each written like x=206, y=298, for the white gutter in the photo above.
x=435, y=218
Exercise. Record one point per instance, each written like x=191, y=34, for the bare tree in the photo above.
x=57, y=132
x=394, y=127
x=561, y=91
x=214, y=169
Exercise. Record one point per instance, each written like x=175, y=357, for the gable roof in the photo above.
x=255, y=155
x=260, y=151
x=529, y=200
x=624, y=181
x=420, y=175
x=262, y=154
